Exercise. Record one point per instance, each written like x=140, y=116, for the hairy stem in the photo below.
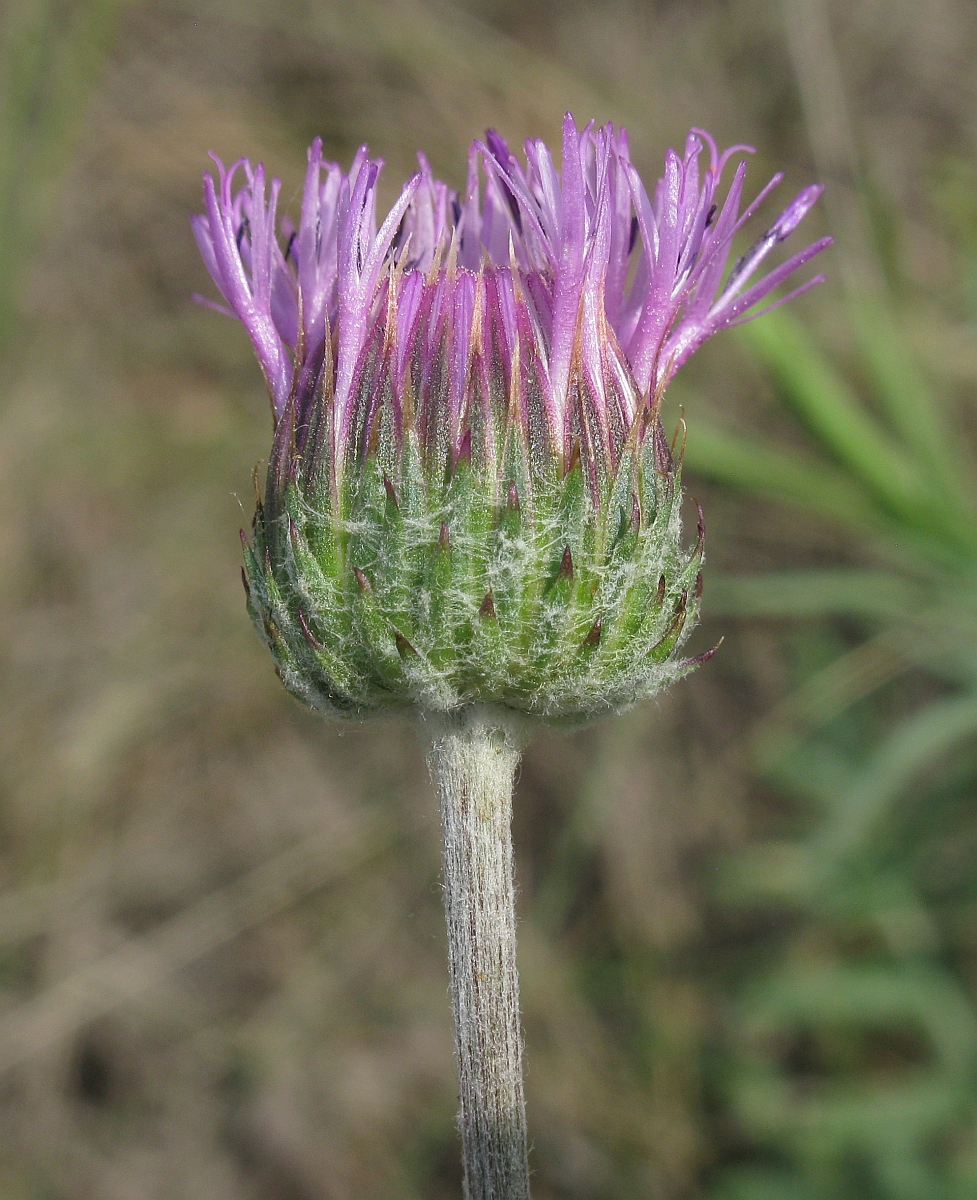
x=473, y=758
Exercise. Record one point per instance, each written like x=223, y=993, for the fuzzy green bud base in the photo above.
x=472, y=757
x=536, y=590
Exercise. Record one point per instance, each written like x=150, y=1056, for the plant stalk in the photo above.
x=472, y=758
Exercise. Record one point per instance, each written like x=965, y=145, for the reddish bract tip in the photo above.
x=307, y=633
x=593, y=638
x=698, y=659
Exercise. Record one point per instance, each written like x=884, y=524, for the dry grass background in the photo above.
x=221, y=957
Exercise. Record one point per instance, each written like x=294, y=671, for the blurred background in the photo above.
x=748, y=910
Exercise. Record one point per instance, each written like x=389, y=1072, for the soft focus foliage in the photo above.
x=747, y=945
x=889, y=797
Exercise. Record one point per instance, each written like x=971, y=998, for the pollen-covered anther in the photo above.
x=362, y=582
x=487, y=608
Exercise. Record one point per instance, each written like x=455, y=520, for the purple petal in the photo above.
x=594, y=287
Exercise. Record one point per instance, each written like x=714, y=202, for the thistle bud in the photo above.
x=470, y=497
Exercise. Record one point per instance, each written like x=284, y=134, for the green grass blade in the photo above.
x=876, y=595
x=833, y=413
x=765, y=471
x=50, y=55
x=915, y=743
x=911, y=405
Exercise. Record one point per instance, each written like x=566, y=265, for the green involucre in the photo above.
x=532, y=590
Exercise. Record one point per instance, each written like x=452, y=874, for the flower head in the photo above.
x=466, y=399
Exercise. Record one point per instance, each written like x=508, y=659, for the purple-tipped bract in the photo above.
x=570, y=296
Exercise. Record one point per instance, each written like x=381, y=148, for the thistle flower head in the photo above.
x=470, y=496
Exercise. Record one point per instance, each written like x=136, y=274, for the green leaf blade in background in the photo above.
x=763, y=470
x=832, y=411
x=865, y=770
x=872, y=595
x=51, y=55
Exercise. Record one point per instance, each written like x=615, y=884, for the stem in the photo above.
x=472, y=759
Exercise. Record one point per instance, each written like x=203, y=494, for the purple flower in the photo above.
x=569, y=297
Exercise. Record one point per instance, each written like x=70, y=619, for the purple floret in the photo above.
x=585, y=293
